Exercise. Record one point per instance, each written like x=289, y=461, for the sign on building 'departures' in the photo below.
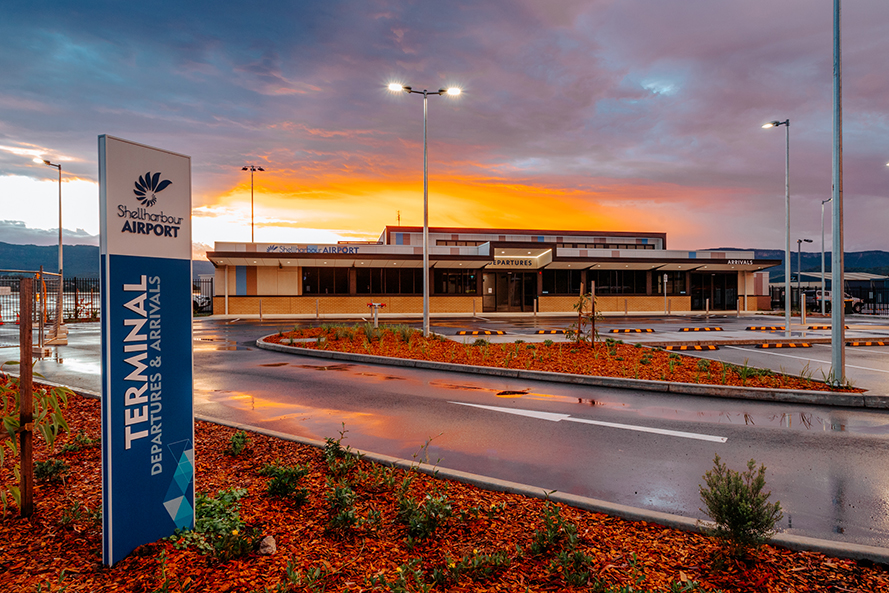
x=147, y=413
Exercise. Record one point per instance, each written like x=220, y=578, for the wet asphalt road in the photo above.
x=826, y=465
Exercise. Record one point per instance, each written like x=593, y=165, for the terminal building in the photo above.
x=475, y=271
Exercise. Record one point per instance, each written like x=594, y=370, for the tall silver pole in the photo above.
x=251, y=204
x=837, y=290
x=425, y=222
x=59, y=303
x=823, y=202
x=787, y=229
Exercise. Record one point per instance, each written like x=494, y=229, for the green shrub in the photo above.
x=237, y=444
x=51, y=470
x=219, y=529
x=79, y=442
x=735, y=502
x=341, y=499
x=423, y=518
x=481, y=343
x=340, y=460
x=285, y=482
x=548, y=342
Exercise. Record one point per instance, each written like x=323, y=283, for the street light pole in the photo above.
x=837, y=309
x=773, y=124
x=449, y=91
x=823, y=202
x=58, y=322
x=251, y=168
x=799, y=272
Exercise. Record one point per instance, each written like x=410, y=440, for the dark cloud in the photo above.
x=570, y=94
x=16, y=232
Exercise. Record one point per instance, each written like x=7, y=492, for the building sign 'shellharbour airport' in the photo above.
x=147, y=415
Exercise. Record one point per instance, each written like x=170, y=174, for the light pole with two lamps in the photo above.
x=251, y=168
x=396, y=87
x=774, y=124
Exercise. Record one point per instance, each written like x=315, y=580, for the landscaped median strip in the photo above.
x=700, y=329
x=681, y=348
x=797, y=396
x=786, y=345
x=646, y=330
x=483, y=332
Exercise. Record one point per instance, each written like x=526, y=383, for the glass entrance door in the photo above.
x=720, y=288
x=514, y=291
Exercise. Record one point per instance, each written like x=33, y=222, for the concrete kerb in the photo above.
x=795, y=396
x=792, y=542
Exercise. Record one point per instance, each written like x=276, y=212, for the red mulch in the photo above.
x=603, y=359
x=34, y=552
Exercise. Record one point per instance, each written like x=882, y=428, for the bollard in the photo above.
x=625, y=307
x=260, y=310
x=803, y=309
x=535, y=307
x=708, y=310
x=317, y=308
x=669, y=306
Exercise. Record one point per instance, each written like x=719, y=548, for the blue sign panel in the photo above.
x=148, y=468
x=147, y=412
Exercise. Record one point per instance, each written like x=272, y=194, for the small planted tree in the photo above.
x=739, y=508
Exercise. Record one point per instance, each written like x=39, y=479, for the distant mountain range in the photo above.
x=81, y=261
x=874, y=262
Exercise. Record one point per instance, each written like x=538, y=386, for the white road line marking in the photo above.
x=827, y=362
x=555, y=417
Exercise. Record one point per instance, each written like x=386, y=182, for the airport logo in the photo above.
x=147, y=188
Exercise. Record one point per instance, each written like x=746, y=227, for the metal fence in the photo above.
x=874, y=300
x=46, y=322
x=80, y=300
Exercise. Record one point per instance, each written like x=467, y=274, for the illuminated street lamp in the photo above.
x=251, y=168
x=774, y=124
x=59, y=302
x=453, y=91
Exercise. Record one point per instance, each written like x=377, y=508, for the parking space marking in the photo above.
x=827, y=362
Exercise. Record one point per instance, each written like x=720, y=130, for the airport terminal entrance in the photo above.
x=509, y=291
x=720, y=287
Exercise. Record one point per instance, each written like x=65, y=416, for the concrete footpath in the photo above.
x=828, y=547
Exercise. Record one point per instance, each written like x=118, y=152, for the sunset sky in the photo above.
x=630, y=115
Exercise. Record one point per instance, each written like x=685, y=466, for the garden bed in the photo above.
x=333, y=541
x=605, y=358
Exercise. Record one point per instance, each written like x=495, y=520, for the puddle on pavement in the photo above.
x=798, y=421
x=329, y=367
x=274, y=364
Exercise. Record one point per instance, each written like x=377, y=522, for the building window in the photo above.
x=561, y=281
x=675, y=282
x=325, y=280
x=388, y=280
x=619, y=281
x=447, y=281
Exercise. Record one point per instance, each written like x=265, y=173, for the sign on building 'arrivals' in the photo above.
x=147, y=413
